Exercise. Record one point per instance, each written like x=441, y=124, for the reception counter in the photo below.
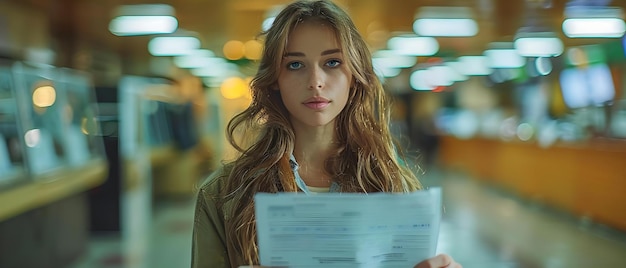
x=586, y=179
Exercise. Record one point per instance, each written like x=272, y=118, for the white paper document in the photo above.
x=347, y=230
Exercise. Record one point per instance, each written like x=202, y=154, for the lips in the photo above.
x=317, y=103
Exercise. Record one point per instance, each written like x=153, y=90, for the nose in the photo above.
x=316, y=78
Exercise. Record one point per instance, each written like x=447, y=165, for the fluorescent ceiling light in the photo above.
x=220, y=71
x=440, y=75
x=196, y=59
x=190, y=62
x=504, y=58
x=593, y=22
x=474, y=65
x=445, y=27
x=456, y=71
x=385, y=59
x=594, y=27
x=445, y=21
x=387, y=72
x=539, y=46
x=419, y=80
x=413, y=45
x=142, y=25
x=144, y=10
x=503, y=55
x=173, y=45
x=143, y=19
x=429, y=79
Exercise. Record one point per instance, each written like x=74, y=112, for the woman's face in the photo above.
x=314, y=78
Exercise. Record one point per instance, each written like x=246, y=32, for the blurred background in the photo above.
x=113, y=112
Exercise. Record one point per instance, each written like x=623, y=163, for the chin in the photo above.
x=314, y=121
x=318, y=122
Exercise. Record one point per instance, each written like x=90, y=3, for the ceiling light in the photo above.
x=445, y=21
x=222, y=70
x=456, y=72
x=474, y=65
x=441, y=75
x=144, y=10
x=593, y=22
x=142, y=25
x=594, y=27
x=391, y=59
x=503, y=55
x=173, y=45
x=419, y=80
x=143, y=19
x=387, y=72
x=445, y=27
x=538, y=44
x=196, y=59
x=412, y=45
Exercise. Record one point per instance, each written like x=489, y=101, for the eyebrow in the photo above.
x=300, y=54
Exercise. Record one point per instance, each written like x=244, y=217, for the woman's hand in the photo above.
x=439, y=261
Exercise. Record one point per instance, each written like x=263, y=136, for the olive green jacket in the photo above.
x=210, y=247
x=209, y=241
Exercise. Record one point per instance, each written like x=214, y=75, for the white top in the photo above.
x=318, y=189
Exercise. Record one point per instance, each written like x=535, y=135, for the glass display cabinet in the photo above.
x=47, y=137
x=50, y=156
x=12, y=166
x=41, y=110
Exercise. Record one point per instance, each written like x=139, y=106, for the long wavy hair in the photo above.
x=359, y=163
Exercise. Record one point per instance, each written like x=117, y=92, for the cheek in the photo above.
x=287, y=80
x=287, y=93
x=349, y=91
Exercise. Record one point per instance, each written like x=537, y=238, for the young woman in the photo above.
x=320, y=121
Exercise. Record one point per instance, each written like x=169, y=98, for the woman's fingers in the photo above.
x=439, y=261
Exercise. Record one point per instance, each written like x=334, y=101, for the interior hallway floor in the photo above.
x=482, y=226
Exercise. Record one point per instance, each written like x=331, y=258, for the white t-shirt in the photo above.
x=318, y=190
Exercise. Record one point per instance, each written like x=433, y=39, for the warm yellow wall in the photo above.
x=22, y=28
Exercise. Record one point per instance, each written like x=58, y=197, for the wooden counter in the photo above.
x=587, y=179
x=51, y=187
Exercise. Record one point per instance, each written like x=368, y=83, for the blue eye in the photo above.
x=294, y=65
x=333, y=63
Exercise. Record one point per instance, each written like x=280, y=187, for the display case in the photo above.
x=41, y=116
x=46, y=117
x=50, y=156
x=12, y=165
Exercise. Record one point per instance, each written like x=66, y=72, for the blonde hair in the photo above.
x=360, y=163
